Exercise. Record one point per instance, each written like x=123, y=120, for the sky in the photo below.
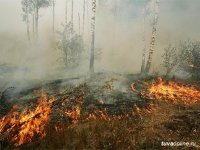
x=119, y=31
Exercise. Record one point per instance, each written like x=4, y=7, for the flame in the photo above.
x=99, y=115
x=74, y=115
x=174, y=92
x=25, y=126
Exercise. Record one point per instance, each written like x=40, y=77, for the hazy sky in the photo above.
x=172, y=12
x=120, y=35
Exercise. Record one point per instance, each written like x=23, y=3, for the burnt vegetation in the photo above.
x=102, y=116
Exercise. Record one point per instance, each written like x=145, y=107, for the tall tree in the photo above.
x=153, y=38
x=33, y=24
x=72, y=15
x=53, y=6
x=66, y=12
x=145, y=12
x=27, y=9
x=79, y=24
x=88, y=28
x=37, y=5
x=93, y=26
x=83, y=26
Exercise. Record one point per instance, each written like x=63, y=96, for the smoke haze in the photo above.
x=119, y=32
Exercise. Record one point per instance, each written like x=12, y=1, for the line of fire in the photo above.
x=99, y=74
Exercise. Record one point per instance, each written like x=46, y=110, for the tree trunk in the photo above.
x=93, y=24
x=153, y=38
x=151, y=50
x=79, y=24
x=66, y=12
x=144, y=42
x=88, y=28
x=143, y=61
x=33, y=25
x=27, y=24
x=53, y=5
x=36, y=21
x=72, y=15
x=83, y=19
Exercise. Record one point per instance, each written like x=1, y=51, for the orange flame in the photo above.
x=24, y=126
x=99, y=115
x=174, y=92
x=74, y=115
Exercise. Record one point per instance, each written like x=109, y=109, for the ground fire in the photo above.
x=25, y=126
x=172, y=91
x=71, y=114
x=74, y=115
x=99, y=74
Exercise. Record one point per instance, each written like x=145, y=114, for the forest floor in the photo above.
x=113, y=114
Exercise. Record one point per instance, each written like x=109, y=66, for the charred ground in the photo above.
x=108, y=111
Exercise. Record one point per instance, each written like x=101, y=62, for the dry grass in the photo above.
x=142, y=131
x=145, y=128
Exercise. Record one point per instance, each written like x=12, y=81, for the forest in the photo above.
x=99, y=74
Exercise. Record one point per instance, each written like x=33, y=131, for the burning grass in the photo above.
x=145, y=131
x=25, y=126
x=172, y=91
x=30, y=124
x=68, y=122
